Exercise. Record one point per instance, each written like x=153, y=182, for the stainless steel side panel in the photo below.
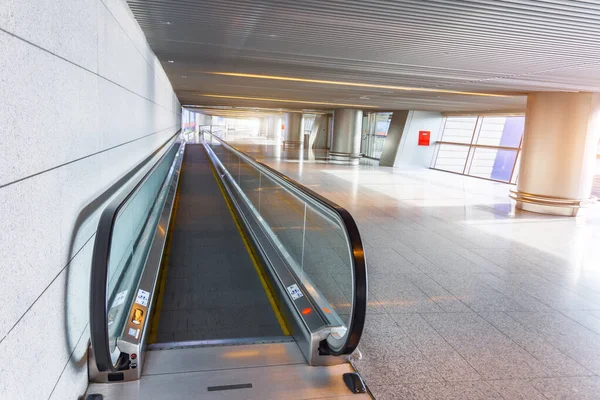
x=307, y=328
x=135, y=344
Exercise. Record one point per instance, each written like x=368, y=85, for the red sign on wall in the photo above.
x=424, y=138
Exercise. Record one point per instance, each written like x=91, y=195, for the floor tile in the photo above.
x=486, y=349
x=554, y=359
x=450, y=365
x=380, y=372
x=550, y=293
x=384, y=339
x=576, y=388
x=475, y=293
x=516, y=389
x=423, y=264
x=397, y=294
x=570, y=337
x=454, y=391
x=388, y=261
x=389, y=356
x=391, y=392
x=503, y=285
x=589, y=319
x=437, y=293
x=374, y=306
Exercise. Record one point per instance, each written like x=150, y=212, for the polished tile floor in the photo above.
x=469, y=298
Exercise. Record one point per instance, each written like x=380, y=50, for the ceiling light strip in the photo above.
x=365, y=85
x=286, y=101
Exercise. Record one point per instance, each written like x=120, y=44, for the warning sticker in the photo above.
x=134, y=332
x=294, y=291
x=119, y=299
x=142, y=298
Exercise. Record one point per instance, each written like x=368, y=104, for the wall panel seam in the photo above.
x=69, y=261
x=88, y=70
x=132, y=42
x=84, y=157
x=46, y=288
x=69, y=359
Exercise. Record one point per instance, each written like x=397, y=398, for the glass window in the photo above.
x=501, y=131
x=374, y=133
x=381, y=129
x=308, y=120
x=382, y=123
x=482, y=146
x=493, y=163
x=452, y=158
x=459, y=129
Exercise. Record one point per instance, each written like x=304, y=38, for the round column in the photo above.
x=273, y=125
x=345, y=143
x=292, y=130
x=263, y=129
x=559, y=149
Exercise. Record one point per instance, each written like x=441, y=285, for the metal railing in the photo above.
x=292, y=238
x=469, y=158
x=126, y=231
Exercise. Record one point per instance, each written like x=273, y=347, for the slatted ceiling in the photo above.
x=385, y=101
x=343, y=95
x=412, y=78
x=296, y=17
x=419, y=104
x=369, y=65
x=511, y=46
x=280, y=89
x=230, y=33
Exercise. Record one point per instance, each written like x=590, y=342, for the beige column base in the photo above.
x=549, y=205
x=294, y=144
x=343, y=158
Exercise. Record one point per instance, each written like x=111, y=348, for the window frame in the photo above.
x=473, y=146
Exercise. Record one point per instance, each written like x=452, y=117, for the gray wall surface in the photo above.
x=409, y=152
x=292, y=127
x=401, y=144
x=84, y=100
x=393, y=138
x=318, y=135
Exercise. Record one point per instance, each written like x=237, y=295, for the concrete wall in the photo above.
x=84, y=100
x=409, y=153
x=319, y=134
x=394, y=137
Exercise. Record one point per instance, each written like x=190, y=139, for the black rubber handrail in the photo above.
x=99, y=337
x=359, y=305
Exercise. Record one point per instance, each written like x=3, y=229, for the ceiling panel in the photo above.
x=507, y=47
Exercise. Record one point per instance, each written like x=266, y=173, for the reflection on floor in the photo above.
x=469, y=299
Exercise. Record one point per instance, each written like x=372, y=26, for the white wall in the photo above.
x=409, y=152
x=395, y=133
x=84, y=100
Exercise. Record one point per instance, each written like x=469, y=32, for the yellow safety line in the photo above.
x=253, y=256
x=165, y=266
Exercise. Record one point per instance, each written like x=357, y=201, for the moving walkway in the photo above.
x=215, y=276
